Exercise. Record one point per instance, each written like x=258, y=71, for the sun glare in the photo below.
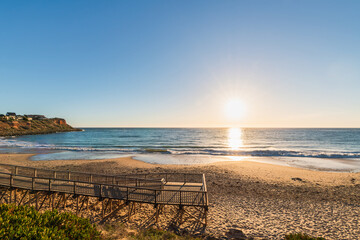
x=235, y=109
x=235, y=141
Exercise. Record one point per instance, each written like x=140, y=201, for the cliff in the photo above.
x=43, y=126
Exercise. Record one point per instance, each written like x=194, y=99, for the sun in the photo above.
x=235, y=109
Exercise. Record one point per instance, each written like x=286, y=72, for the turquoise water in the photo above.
x=317, y=148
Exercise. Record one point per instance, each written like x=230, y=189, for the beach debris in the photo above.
x=297, y=179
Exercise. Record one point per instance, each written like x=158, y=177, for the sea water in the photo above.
x=322, y=149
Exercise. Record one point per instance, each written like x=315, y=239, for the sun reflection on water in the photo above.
x=235, y=141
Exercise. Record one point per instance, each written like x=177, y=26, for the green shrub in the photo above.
x=23, y=222
x=301, y=236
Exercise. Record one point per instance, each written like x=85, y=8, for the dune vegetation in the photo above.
x=24, y=222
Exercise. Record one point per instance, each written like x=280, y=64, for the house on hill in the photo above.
x=13, y=116
x=10, y=115
x=35, y=117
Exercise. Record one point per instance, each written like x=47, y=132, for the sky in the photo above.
x=178, y=63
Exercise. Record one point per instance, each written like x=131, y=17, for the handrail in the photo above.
x=104, y=175
x=106, y=187
x=163, y=173
x=90, y=175
x=62, y=171
x=169, y=176
x=99, y=191
x=205, y=189
x=104, y=184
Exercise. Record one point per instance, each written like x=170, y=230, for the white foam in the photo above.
x=344, y=165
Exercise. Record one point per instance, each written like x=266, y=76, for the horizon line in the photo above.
x=214, y=127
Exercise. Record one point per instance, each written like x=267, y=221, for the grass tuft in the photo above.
x=301, y=236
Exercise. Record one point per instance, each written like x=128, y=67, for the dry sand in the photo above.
x=248, y=199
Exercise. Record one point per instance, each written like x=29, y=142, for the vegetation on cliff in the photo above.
x=26, y=127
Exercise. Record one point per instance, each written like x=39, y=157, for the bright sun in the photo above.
x=235, y=109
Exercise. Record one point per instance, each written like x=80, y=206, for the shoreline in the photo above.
x=251, y=169
x=261, y=200
x=308, y=163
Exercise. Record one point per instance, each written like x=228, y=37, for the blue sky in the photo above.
x=177, y=63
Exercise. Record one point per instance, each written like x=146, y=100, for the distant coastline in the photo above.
x=18, y=125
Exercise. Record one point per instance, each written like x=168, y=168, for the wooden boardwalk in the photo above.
x=159, y=189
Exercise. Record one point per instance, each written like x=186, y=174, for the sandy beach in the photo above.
x=248, y=199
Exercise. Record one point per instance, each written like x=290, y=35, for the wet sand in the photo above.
x=248, y=199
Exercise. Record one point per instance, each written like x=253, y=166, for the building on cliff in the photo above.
x=29, y=117
x=11, y=115
x=35, y=117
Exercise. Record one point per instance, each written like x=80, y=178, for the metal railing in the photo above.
x=128, y=193
x=81, y=176
x=145, y=188
x=170, y=176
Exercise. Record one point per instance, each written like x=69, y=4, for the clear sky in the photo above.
x=178, y=63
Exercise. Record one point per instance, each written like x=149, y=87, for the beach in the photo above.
x=180, y=119
x=247, y=199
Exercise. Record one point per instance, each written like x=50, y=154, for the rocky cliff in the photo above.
x=24, y=127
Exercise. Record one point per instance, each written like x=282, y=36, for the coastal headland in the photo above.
x=17, y=125
x=248, y=200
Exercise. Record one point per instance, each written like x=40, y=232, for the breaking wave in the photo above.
x=182, y=150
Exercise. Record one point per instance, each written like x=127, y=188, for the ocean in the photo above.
x=321, y=149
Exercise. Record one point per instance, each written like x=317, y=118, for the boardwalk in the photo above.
x=159, y=189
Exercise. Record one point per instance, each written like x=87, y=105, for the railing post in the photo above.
x=32, y=183
x=11, y=180
x=54, y=174
x=206, y=197
x=91, y=177
x=127, y=193
x=16, y=170
x=205, y=189
x=49, y=184
x=69, y=175
x=74, y=187
x=113, y=180
x=100, y=190
x=35, y=172
x=155, y=197
x=180, y=198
